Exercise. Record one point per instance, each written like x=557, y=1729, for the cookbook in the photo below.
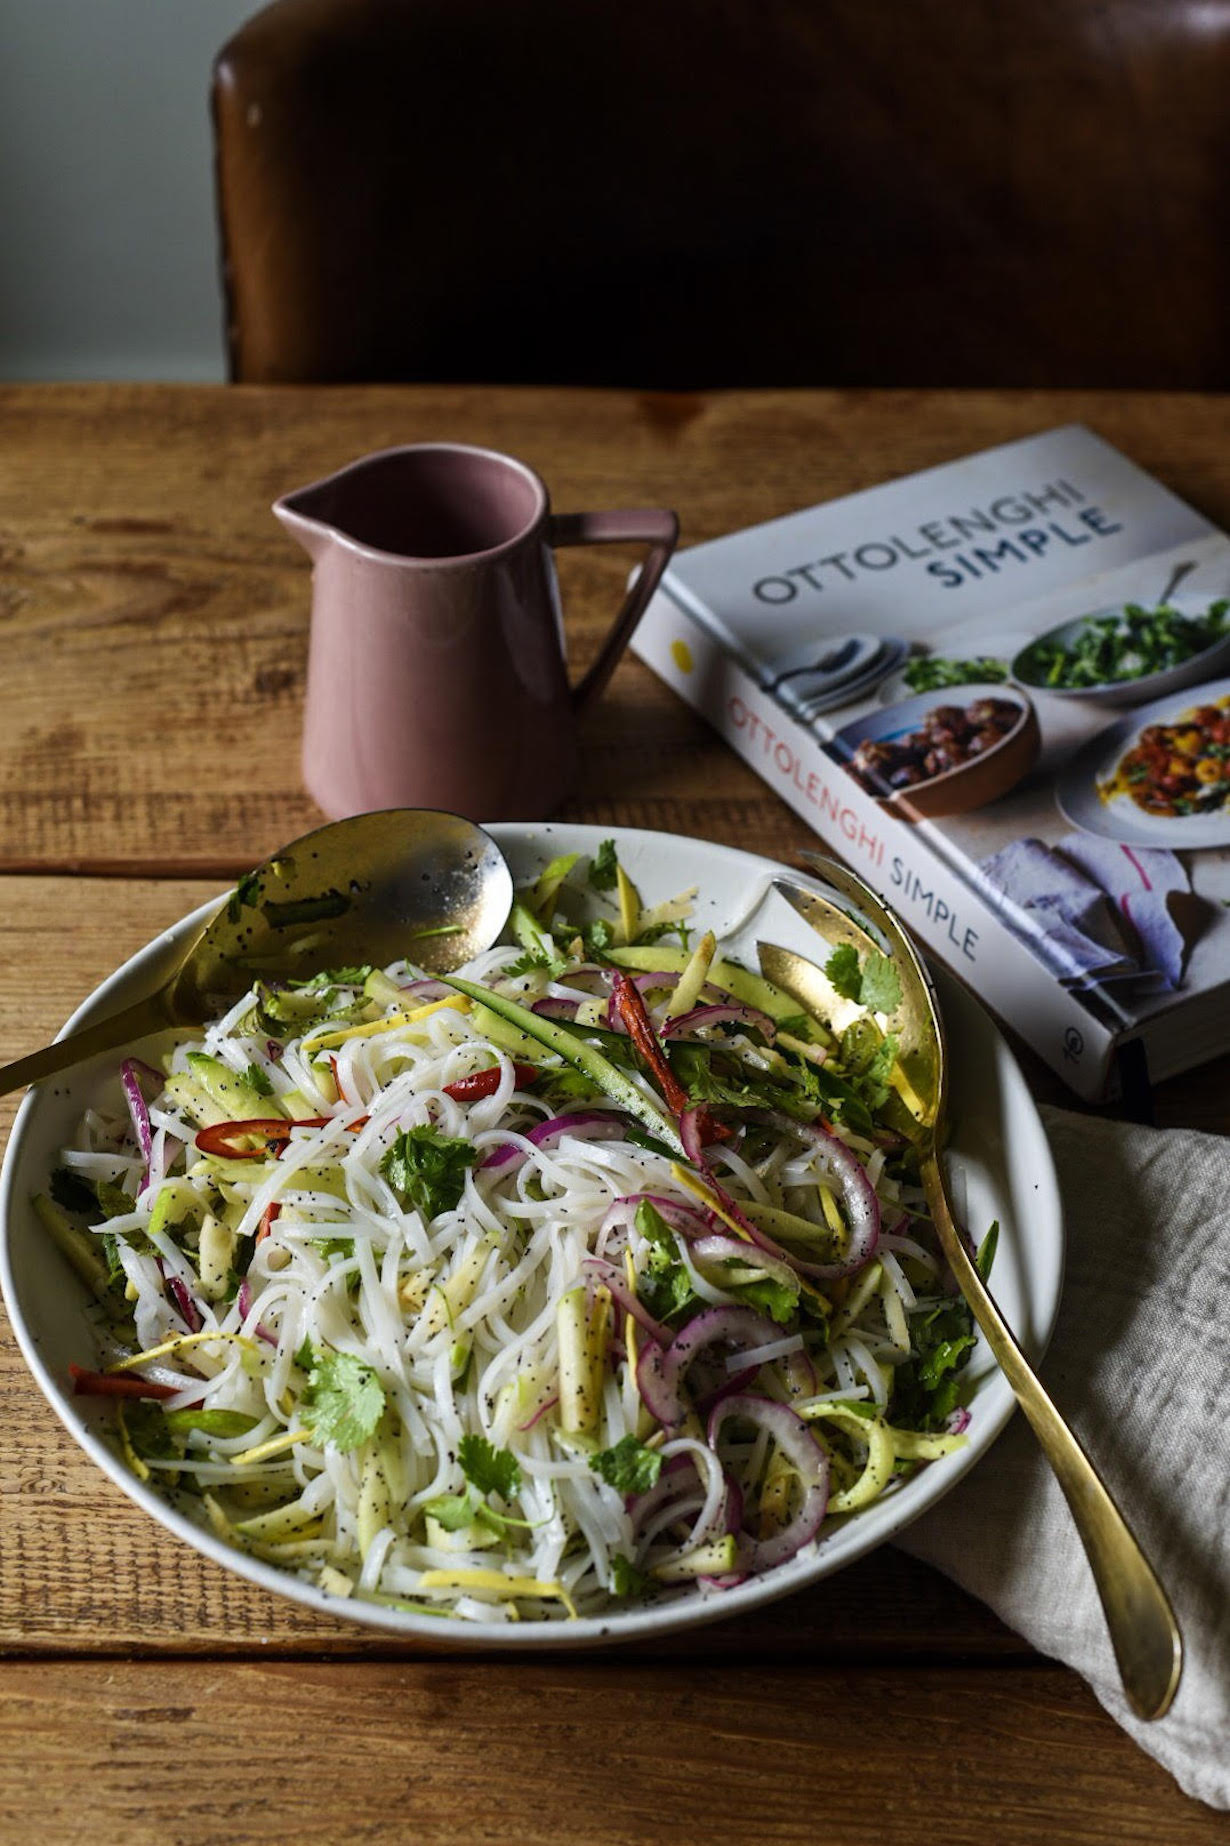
x=1000, y=689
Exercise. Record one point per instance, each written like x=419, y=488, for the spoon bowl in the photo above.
x=1141, y=1623
x=403, y=882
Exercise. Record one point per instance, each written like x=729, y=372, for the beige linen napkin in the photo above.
x=1140, y=1366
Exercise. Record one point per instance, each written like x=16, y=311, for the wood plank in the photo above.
x=135, y=530
x=567, y=1751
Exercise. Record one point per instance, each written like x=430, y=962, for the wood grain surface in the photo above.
x=154, y=619
x=257, y=1752
x=154, y=615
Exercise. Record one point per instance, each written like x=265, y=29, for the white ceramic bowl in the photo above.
x=998, y=1147
x=1205, y=665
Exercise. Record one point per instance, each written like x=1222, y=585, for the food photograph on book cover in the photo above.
x=1023, y=658
x=1094, y=831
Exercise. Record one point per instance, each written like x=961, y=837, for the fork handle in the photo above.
x=152, y=1014
x=1143, y=1631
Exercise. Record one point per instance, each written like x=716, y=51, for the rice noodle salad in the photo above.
x=592, y=1275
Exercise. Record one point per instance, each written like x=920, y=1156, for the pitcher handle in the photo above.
x=651, y=526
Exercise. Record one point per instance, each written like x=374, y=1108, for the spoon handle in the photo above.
x=1141, y=1622
x=149, y=1015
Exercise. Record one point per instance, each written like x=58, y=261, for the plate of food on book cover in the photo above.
x=585, y=1295
x=1131, y=654
x=942, y=752
x=1158, y=778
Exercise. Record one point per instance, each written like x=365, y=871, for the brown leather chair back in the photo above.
x=682, y=193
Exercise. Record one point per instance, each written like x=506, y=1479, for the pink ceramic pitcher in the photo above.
x=436, y=670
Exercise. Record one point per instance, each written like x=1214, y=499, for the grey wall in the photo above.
x=108, y=250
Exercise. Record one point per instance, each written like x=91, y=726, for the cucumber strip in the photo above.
x=531, y=934
x=600, y=1071
x=751, y=988
x=80, y=1248
x=232, y=1093
x=541, y=897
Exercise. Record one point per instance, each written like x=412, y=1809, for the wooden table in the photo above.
x=154, y=626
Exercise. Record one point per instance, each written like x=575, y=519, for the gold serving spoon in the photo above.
x=1143, y=1631
x=409, y=882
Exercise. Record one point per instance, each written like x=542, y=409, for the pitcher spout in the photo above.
x=301, y=516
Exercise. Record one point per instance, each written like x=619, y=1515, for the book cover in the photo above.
x=1001, y=689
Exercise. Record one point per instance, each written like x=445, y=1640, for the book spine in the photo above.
x=941, y=908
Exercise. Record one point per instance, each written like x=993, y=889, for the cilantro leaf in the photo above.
x=927, y=1388
x=881, y=984
x=540, y=946
x=248, y=892
x=71, y=1191
x=455, y=1511
x=843, y=971
x=776, y=1299
x=427, y=1170
x=598, y=936
x=149, y=1433
x=489, y=1469
x=113, y=1201
x=629, y=1467
x=653, y=1226
x=343, y=1401
x=843, y=1099
x=626, y=1579
x=873, y=1080
x=875, y=984
x=663, y=1284
x=555, y=965
x=603, y=866
x=256, y=1079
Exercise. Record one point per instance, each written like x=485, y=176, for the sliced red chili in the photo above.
x=117, y=1384
x=272, y=1210
x=230, y=1139
x=271, y=1132
x=482, y=1083
x=711, y=1130
x=632, y=1011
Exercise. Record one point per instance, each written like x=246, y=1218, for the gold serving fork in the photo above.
x=1143, y=1631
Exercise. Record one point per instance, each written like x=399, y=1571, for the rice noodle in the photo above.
x=456, y=1310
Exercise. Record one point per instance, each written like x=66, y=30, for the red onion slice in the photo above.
x=641, y=1507
x=136, y=1106
x=617, y=1282
x=591, y=1124
x=720, y=1014
x=660, y=1372
x=841, y=1165
x=690, y=1121
x=540, y=1412
x=680, y=1217
x=716, y=1249
x=556, y=1007
x=189, y=1311
x=805, y=1456
x=427, y=989
x=243, y=1301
